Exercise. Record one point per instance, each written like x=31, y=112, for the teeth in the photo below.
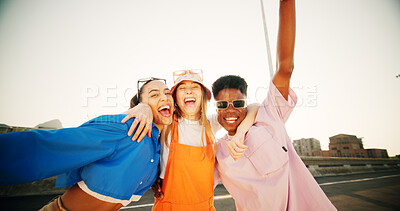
x=164, y=107
x=190, y=99
x=231, y=119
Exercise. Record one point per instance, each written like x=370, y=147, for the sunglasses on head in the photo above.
x=184, y=72
x=236, y=104
x=141, y=82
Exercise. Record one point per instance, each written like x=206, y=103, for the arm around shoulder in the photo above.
x=143, y=121
x=248, y=121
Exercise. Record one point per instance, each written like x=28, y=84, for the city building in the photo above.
x=377, y=153
x=343, y=145
x=307, y=147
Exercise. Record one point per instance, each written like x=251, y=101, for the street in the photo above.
x=370, y=191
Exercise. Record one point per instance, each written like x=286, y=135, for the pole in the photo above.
x=271, y=70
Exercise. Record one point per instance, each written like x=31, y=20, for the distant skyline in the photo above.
x=75, y=60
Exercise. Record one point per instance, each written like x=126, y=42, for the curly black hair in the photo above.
x=229, y=82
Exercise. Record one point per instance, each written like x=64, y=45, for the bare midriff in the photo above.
x=76, y=199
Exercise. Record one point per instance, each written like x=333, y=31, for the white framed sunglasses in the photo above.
x=242, y=103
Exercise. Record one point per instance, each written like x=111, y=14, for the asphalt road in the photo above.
x=372, y=191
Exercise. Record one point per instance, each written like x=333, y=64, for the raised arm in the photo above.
x=285, y=46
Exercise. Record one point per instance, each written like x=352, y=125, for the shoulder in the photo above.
x=275, y=96
x=276, y=103
x=109, y=122
x=116, y=118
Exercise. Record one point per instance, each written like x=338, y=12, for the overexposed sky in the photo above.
x=74, y=60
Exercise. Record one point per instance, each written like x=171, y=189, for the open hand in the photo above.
x=144, y=117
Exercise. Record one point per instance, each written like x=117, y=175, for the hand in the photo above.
x=236, y=146
x=144, y=117
x=156, y=188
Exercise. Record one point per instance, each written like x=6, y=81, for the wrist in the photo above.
x=239, y=133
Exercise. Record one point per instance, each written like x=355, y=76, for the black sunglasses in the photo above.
x=143, y=81
x=236, y=104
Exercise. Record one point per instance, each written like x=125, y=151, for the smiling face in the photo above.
x=230, y=118
x=157, y=95
x=189, y=97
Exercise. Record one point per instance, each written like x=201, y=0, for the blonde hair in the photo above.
x=206, y=127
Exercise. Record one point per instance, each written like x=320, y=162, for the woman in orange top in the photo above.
x=187, y=164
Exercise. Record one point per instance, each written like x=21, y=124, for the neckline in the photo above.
x=183, y=120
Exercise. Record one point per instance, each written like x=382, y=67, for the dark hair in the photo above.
x=229, y=82
x=135, y=100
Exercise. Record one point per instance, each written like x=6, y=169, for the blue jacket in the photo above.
x=99, y=152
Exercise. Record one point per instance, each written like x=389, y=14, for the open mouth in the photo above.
x=165, y=110
x=190, y=101
x=231, y=120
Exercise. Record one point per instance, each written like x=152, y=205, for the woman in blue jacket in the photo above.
x=106, y=169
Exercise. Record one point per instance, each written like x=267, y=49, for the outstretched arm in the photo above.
x=37, y=154
x=285, y=46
